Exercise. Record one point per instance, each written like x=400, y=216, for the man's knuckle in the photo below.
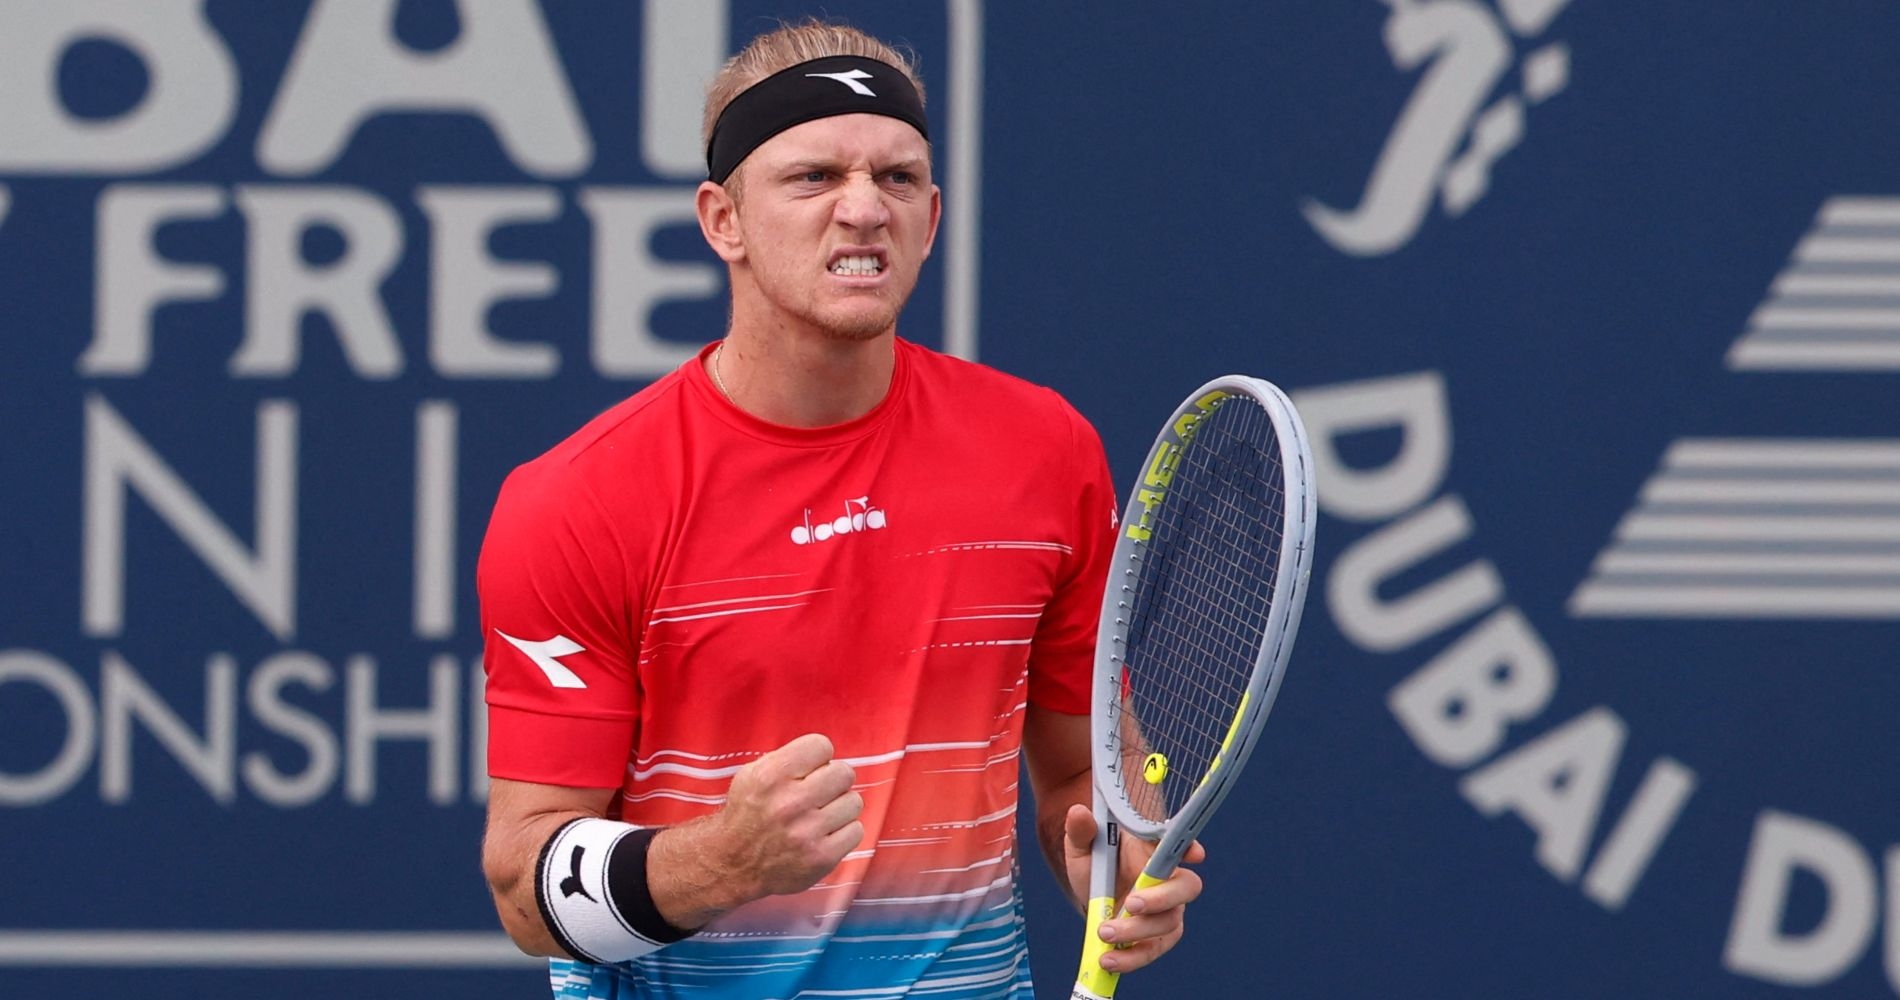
x=786, y=812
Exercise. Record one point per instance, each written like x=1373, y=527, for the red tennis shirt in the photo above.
x=680, y=587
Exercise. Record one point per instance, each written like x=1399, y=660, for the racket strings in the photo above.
x=1201, y=594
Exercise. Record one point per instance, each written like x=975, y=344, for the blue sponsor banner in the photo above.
x=1594, y=314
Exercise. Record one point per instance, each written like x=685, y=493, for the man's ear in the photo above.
x=719, y=221
x=936, y=216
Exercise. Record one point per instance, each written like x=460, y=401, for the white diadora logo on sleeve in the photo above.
x=859, y=515
x=850, y=79
x=547, y=654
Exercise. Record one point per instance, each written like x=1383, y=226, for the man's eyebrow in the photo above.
x=912, y=164
x=808, y=164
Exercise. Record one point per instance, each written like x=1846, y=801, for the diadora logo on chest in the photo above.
x=860, y=514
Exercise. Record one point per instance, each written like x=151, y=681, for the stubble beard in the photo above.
x=859, y=325
x=857, y=328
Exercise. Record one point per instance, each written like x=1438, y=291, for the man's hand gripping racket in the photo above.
x=1202, y=605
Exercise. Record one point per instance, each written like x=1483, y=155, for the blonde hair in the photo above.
x=787, y=46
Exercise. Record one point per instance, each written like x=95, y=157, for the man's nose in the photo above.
x=861, y=203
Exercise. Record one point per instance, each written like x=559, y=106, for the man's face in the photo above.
x=836, y=217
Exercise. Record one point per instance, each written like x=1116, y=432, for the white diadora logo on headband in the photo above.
x=850, y=79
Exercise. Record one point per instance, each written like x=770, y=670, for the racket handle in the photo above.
x=1093, y=982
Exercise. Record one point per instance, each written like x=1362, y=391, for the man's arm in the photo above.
x=790, y=817
x=521, y=818
x=1056, y=751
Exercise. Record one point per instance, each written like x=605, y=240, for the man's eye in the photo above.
x=813, y=177
x=901, y=176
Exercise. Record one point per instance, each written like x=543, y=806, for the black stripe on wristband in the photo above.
x=629, y=894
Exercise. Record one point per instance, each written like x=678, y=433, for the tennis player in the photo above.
x=767, y=640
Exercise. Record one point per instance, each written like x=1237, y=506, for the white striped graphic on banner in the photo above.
x=260, y=949
x=1836, y=306
x=1757, y=528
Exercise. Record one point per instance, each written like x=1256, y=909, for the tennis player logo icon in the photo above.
x=860, y=514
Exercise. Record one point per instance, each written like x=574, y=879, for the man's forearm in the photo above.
x=690, y=871
x=1052, y=810
x=510, y=859
x=691, y=882
x=688, y=881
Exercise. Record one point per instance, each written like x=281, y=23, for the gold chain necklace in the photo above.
x=720, y=382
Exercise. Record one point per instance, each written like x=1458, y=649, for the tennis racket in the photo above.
x=1203, y=601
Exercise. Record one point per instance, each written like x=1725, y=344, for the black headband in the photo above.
x=834, y=85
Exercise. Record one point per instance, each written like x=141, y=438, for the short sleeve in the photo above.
x=563, y=695
x=1061, y=660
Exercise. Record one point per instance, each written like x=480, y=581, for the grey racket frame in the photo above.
x=1177, y=833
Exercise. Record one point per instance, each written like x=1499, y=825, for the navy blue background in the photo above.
x=1142, y=176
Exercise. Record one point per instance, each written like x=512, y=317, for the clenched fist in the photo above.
x=790, y=817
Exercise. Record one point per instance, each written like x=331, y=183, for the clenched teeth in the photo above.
x=856, y=267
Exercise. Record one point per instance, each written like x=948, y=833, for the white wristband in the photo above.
x=591, y=884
